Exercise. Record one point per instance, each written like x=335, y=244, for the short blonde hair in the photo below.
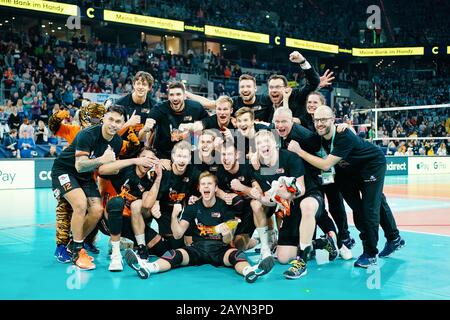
x=182, y=145
x=266, y=133
x=207, y=174
x=224, y=99
x=245, y=110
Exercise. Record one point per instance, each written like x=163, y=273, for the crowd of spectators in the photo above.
x=403, y=22
x=42, y=74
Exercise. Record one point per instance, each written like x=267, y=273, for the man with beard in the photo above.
x=364, y=180
x=263, y=105
x=131, y=189
x=209, y=219
x=177, y=185
x=335, y=201
x=72, y=177
x=169, y=115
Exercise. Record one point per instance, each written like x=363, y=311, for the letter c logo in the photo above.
x=90, y=13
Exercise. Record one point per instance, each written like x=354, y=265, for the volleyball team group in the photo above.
x=266, y=172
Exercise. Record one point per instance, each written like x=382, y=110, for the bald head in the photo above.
x=324, y=121
x=323, y=112
x=282, y=118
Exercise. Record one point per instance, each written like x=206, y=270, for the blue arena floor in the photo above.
x=29, y=270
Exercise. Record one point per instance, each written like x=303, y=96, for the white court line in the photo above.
x=421, y=232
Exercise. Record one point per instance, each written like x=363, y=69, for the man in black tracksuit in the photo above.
x=365, y=170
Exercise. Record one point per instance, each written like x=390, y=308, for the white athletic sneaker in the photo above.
x=116, y=263
x=345, y=253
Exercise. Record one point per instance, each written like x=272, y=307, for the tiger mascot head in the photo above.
x=91, y=113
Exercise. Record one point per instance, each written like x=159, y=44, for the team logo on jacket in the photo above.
x=186, y=179
x=215, y=214
x=187, y=118
x=280, y=170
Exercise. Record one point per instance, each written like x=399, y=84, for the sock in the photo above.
x=140, y=239
x=264, y=237
x=115, y=247
x=271, y=236
x=152, y=267
x=304, y=245
x=78, y=245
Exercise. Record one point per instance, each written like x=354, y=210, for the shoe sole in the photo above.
x=132, y=260
x=87, y=269
x=365, y=266
x=346, y=259
x=296, y=277
x=390, y=254
x=115, y=270
x=266, y=266
x=62, y=261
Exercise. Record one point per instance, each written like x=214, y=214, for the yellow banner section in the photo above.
x=43, y=6
x=236, y=34
x=379, y=52
x=345, y=50
x=311, y=45
x=194, y=28
x=448, y=50
x=139, y=20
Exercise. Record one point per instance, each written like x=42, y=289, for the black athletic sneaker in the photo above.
x=331, y=246
x=142, y=251
x=262, y=268
x=391, y=246
x=90, y=247
x=297, y=270
x=365, y=261
x=349, y=243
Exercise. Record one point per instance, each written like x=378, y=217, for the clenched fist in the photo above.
x=296, y=57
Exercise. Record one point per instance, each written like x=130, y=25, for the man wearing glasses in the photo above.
x=365, y=168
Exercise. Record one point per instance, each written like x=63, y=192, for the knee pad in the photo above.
x=174, y=257
x=115, y=207
x=237, y=256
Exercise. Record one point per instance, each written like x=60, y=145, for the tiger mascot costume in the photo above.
x=90, y=113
